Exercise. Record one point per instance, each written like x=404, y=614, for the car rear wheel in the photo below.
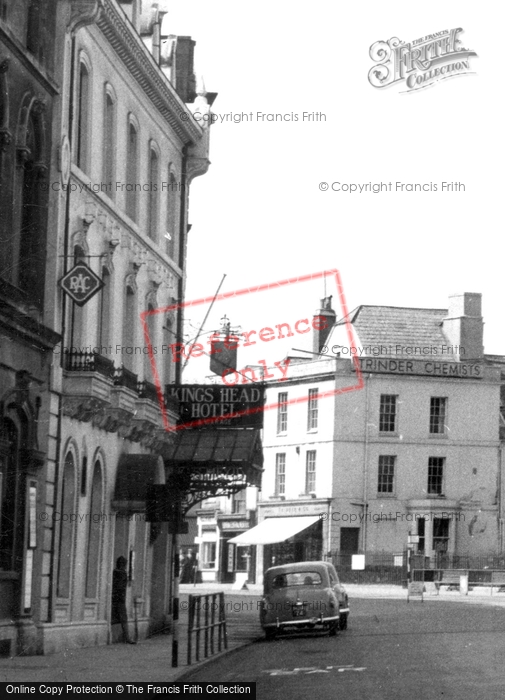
x=343, y=622
x=270, y=634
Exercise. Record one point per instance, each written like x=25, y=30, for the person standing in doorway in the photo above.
x=119, y=586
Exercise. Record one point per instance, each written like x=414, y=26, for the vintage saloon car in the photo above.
x=305, y=595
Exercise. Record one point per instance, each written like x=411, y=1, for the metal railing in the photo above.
x=146, y=390
x=89, y=362
x=202, y=621
x=124, y=377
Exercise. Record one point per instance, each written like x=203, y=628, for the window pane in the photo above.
x=387, y=419
x=282, y=412
x=310, y=472
x=131, y=174
x=437, y=414
x=435, y=475
x=109, y=147
x=153, y=196
x=312, y=409
x=386, y=474
x=83, y=119
x=280, y=474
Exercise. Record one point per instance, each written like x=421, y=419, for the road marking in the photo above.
x=307, y=670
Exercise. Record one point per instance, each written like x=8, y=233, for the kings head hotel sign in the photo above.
x=220, y=405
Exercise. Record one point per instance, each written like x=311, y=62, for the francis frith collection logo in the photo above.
x=421, y=63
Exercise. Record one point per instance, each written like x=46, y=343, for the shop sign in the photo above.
x=81, y=283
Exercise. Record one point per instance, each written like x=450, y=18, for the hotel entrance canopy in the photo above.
x=274, y=530
x=213, y=462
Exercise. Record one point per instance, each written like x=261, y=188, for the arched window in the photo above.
x=94, y=532
x=104, y=334
x=171, y=235
x=9, y=496
x=154, y=177
x=109, y=144
x=67, y=527
x=151, y=328
x=31, y=256
x=169, y=338
x=83, y=118
x=35, y=30
x=132, y=183
x=77, y=312
x=129, y=318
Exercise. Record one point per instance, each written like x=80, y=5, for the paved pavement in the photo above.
x=150, y=660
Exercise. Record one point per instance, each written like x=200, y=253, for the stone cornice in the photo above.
x=136, y=58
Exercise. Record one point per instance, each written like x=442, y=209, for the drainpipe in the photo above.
x=500, y=498
x=365, y=466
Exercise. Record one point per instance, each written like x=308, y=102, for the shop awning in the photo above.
x=134, y=474
x=274, y=530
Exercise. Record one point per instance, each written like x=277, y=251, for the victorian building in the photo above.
x=125, y=149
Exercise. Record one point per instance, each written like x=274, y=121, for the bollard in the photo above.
x=463, y=584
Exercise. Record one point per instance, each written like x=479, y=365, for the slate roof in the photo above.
x=392, y=326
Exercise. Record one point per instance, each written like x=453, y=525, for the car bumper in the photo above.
x=305, y=622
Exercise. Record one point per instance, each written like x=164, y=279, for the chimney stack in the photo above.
x=323, y=322
x=464, y=326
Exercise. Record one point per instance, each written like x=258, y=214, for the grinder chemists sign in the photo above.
x=218, y=403
x=420, y=63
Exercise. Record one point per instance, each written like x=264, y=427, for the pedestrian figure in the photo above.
x=119, y=586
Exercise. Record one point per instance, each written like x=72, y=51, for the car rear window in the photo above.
x=297, y=578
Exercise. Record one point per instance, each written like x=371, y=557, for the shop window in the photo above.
x=67, y=528
x=152, y=214
x=132, y=184
x=310, y=472
x=280, y=474
x=435, y=475
x=438, y=409
x=282, y=412
x=109, y=145
x=242, y=558
x=386, y=474
x=94, y=533
x=83, y=119
x=388, y=411
x=209, y=555
x=312, y=410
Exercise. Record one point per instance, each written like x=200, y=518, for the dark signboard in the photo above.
x=216, y=404
x=81, y=283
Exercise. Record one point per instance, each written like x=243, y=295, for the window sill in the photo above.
x=385, y=495
x=387, y=434
x=438, y=436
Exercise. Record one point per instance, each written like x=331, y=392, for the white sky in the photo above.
x=258, y=214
